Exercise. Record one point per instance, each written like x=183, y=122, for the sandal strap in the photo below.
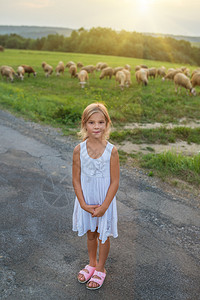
x=87, y=275
x=99, y=280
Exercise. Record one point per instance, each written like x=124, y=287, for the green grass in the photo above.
x=172, y=164
x=59, y=101
x=157, y=136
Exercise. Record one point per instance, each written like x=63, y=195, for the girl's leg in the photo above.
x=103, y=255
x=92, y=243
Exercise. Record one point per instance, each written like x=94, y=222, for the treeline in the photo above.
x=106, y=41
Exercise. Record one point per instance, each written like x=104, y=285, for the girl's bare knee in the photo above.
x=92, y=235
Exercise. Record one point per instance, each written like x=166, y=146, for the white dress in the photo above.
x=95, y=181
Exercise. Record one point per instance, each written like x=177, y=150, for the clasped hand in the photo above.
x=95, y=210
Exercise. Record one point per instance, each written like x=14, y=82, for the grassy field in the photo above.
x=59, y=101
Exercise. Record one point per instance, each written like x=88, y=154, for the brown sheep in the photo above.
x=29, y=70
x=69, y=64
x=83, y=78
x=73, y=70
x=1, y=48
x=79, y=65
x=8, y=72
x=106, y=72
x=60, y=68
x=152, y=72
x=47, y=69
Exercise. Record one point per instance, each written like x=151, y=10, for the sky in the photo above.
x=178, y=17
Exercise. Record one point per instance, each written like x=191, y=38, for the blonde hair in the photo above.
x=88, y=112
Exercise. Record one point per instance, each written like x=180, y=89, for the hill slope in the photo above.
x=34, y=32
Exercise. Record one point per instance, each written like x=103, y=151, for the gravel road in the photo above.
x=155, y=257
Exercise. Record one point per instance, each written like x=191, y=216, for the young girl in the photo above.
x=95, y=175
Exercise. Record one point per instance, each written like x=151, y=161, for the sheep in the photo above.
x=8, y=72
x=60, y=68
x=128, y=77
x=121, y=78
x=115, y=70
x=103, y=66
x=29, y=70
x=186, y=71
x=73, y=70
x=47, y=69
x=142, y=76
x=195, y=71
x=137, y=68
x=195, y=79
x=127, y=67
x=69, y=64
x=152, y=72
x=89, y=68
x=98, y=66
x=170, y=75
x=79, y=65
x=143, y=67
x=83, y=77
x=20, y=72
x=1, y=48
x=106, y=72
x=181, y=80
x=161, y=72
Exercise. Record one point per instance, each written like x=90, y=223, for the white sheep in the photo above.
x=170, y=74
x=8, y=72
x=121, y=78
x=89, y=69
x=73, y=70
x=47, y=69
x=195, y=71
x=161, y=72
x=83, y=78
x=106, y=72
x=128, y=77
x=103, y=66
x=60, y=68
x=20, y=72
x=115, y=70
x=142, y=76
x=181, y=80
x=196, y=79
x=127, y=67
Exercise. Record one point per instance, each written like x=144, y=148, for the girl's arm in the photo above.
x=76, y=175
x=114, y=184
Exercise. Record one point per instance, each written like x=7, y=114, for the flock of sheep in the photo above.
x=180, y=76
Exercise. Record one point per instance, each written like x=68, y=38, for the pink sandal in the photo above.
x=100, y=281
x=87, y=276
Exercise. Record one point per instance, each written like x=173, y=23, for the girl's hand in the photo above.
x=99, y=211
x=90, y=208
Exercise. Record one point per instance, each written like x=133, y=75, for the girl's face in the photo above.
x=96, y=125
